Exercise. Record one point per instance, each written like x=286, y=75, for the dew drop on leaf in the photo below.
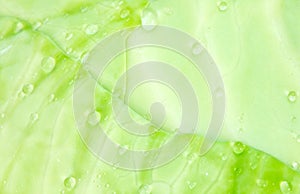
x=94, y=118
x=124, y=13
x=48, y=64
x=238, y=147
x=261, y=183
x=222, y=5
x=292, y=96
x=70, y=182
x=149, y=19
x=197, y=49
x=91, y=29
x=285, y=187
x=27, y=89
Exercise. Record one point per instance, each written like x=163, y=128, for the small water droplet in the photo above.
x=253, y=165
x=48, y=64
x=292, y=96
x=19, y=27
x=295, y=165
x=27, y=89
x=69, y=50
x=68, y=36
x=145, y=189
x=149, y=19
x=94, y=118
x=261, y=183
x=37, y=25
x=34, y=117
x=294, y=119
x=197, y=49
x=107, y=185
x=191, y=184
x=2, y=115
x=206, y=174
x=238, y=147
x=4, y=182
x=51, y=98
x=70, y=182
x=223, y=156
x=62, y=192
x=124, y=13
x=123, y=149
x=91, y=29
x=285, y=187
x=237, y=171
x=222, y=5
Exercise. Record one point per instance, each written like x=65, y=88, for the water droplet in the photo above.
x=62, y=192
x=123, y=149
x=206, y=174
x=222, y=5
x=70, y=182
x=19, y=27
x=292, y=96
x=295, y=165
x=285, y=187
x=197, y=49
x=124, y=13
x=94, y=118
x=149, y=19
x=294, y=119
x=223, y=156
x=253, y=165
x=91, y=29
x=68, y=36
x=37, y=25
x=261, y=183
x=237, y=171
x=238, y=147
x=145, y=189
x=107, y=185
x=34, y=117
x=69, y=50
x=2, y=115
x=191, y=185
x=27, y=89
x=48, y=64
x=51, y=98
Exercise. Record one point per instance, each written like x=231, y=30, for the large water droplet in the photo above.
x=91, y=29
x=48, y=64
x=124, y=13
x=197, y=49
x=238, y=147
x=191, y=184
x=149, y=19
x=285, y=187
x=94, y=118
x=262, y=183
x=222, y=5
x=292, y=96
x=70, y=182
x=27, y=89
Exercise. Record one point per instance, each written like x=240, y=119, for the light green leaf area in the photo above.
x=255, y=44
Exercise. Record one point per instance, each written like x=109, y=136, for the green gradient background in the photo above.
x=256, y=45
